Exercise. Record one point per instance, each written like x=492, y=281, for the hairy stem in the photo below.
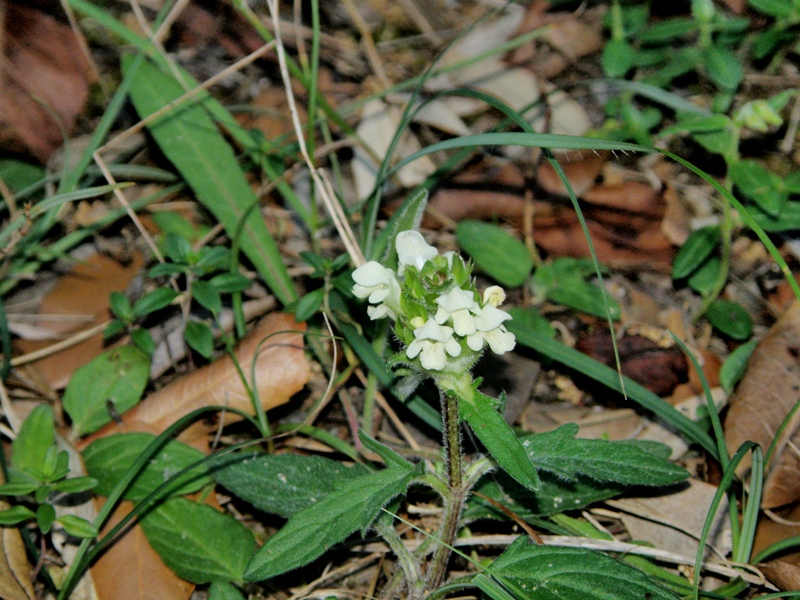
x=455, y=500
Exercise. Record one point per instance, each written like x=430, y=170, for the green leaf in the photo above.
x=18, y=174
x=222, y=590
x=45, y=515
x=405, y=218
x=495, y=251
x=309, y=304
x=197, y=542
x=282, y=484
x=177, y=248
x=763, y=187
x=113, y=329
x=697, y=248
x=704, y=278
x=34, y=439
x=119, y=305
x=352, y=506
x=617, y=58
x=531, y=319
x=21, y=488
x=536, y=572
x=563, y=282
x=207, y=296
x=144, y=341
x=668, y=30
x=118, y=376
x=625, y=462
x=228, y=283
x=78, y=527
x=16, y=515
x=155, y=300
x=723, y=67
x=75, y=485
x=108, y=459
x=788, y=220
x=693, y=123
x=774, y=8
x=190, y=139
x=735, y=365
x=199, y=337
x=731, y=319
x=500, y=440
x=555, y=495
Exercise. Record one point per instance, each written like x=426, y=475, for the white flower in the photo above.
x=431, y=341
x=490, y=330
x=457, y=304
x=412, y=249
x=380, y=285
x=494, y=295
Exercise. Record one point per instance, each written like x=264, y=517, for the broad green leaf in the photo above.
x=704, y=278
x=45, y=515
x=668, y=30
x=723, y=67
x=222, y=590
x=536, y=572
x=351, y=507
x=199, y=337
x=774, y=8
x=697, y=248
x=190, y=139
x=21, y=488
x=788, y=220
x=763, y=187
x=495, y=251
x=207, y=296
x=624, y=462
x=199, y=543
x=144, y=341
x=108, y=459
x=407, y=217
x=18, y=174
x=555, y=495
x=500, y=440
x=530, y=318
x=563, y=282
x=617, y=58
x=35, y=438
x=118, y=376
x=693, y=123
x=155, y=300
x=75, y=485
x=119, y=305
x=16, y=515
x=309, y=304
x=731, y=319
x=282, y=484
x=177, y=248
x=735, y=365
x=228, y=283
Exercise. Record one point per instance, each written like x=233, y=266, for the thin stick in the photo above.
x=369, y=43
x=343, y=227
x=58, y=347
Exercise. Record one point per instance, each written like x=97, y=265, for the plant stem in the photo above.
x=455, y=500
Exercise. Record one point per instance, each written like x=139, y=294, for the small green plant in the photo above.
x=37, y=478
x=443, y=325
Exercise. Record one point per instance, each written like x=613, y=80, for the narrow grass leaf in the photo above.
x=190, y=139
x=199, y=543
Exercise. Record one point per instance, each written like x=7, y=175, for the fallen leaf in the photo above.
x=581, y=172
x=675, y=521
x=132, y=570
x=81, y=299
x=281, y=369
x=15, y=570
x=762, y=400
x=657, y=368
x=44, y=81
x=784, y=575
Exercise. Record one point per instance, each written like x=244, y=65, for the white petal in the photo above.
x=432, y=357
x=453, y=347
x=494, y=295
x=500, y=340
x=475, y=341
x=372, y=273
x=433, y=331
x=413, y=349
x=412, y=249
x=490, y=318
x=464, y=322
x=456, y=299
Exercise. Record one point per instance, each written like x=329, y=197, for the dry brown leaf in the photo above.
x=81, y=297
x=580, y=171
x=44, y=81
x=282, y=370
x=766, y=394
x=784, y=575
x=15, y=570
x=132, y=570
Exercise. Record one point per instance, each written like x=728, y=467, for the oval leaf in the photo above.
x=697, y=248
x=118, y=376
x=495, y=251
x=731, y=319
